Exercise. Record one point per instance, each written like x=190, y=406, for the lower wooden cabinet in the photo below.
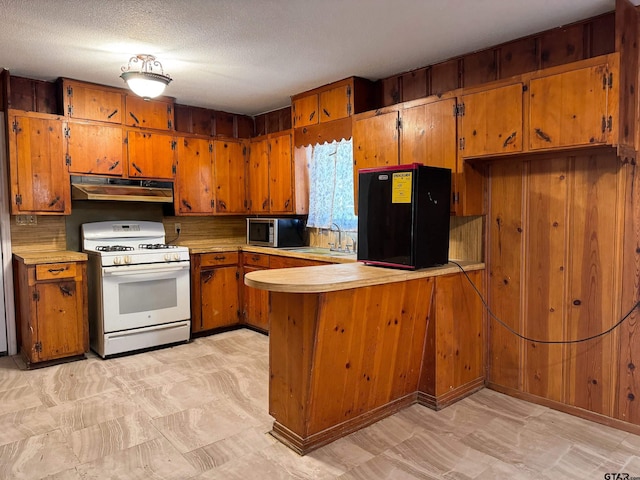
x=214, y=295
x=51, y=310
x=255, y=302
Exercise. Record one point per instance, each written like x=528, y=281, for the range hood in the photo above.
x=121, y=190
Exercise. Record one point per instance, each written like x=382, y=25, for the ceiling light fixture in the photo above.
x=144, y=81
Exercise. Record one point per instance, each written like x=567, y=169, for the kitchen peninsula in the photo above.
x=351, y=344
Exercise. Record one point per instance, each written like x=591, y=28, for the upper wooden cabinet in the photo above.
x=332, y=102
x=39, y=180
x=151, y=155
x=156, y=114
x=491, y=121
x=92, y=102
x=229, y=173
x=571, y=108
x=193, y=189
x=95, y=149
x=270, y=175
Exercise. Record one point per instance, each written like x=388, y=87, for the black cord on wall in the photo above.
x=547, y=342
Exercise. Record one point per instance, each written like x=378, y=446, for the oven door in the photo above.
x=135, y=296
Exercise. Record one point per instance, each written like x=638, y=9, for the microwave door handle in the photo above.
x=124, y=271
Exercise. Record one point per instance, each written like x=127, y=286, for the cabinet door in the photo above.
x=219, y=291
x=569, y=108
x=91, y=102
x=39, y=180
x=305, y=111
x=335, y=103
x=280, y=174
x=375, y=143
x=229, y=165
x=155, y=114
x=255, y=304
x=258, y=177
x=59, y=320
x=194, y=177
x=151, y=155
x=492, y=122
x=95, y=149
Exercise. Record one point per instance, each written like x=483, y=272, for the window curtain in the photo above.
x=331, y=186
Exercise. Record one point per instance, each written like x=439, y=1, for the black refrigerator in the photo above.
x=403, y=216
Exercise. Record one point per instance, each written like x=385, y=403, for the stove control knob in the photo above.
x=127, y=259
x=176, y=256
x=167, y=257
x=117, y=260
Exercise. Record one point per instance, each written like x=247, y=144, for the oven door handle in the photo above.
x=125, y=271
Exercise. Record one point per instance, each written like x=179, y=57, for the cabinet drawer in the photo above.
x=291, y=262
x=223, y=258
x=52, y=271
x=256, y=259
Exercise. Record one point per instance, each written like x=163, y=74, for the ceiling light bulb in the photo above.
x=145, y=82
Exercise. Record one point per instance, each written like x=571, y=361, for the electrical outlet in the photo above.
x=26, y=220
x=177, y=227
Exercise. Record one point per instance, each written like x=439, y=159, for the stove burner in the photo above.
x=113, y=248
x=155, y=246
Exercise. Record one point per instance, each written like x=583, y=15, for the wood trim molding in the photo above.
x=439, y=402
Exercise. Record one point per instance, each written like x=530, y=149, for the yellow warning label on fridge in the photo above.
x=401, y=187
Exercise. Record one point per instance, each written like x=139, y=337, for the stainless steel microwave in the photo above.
x=275, y=232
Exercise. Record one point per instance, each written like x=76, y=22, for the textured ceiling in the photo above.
x=250, y=56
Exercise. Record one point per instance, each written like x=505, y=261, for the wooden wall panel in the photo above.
x=593, y=287
x=391, y=92
x=415, y=84
x=545, y=274
x=562, y=45
x=505, y=263
x=444, y=77
x=628, y=407
x=627, y=37
x=602, y=35
x=479, y=67
x=518, y=57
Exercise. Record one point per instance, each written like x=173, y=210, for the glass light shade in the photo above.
x=147, y=85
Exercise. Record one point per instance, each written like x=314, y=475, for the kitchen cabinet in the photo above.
x=255, y=302
x=214, y=296
x=229, y=165
x=157, y=114
x=151, y=155
x=39, y=181
x=491, y=121
x=333, y=101
x=277, y=261
x=194, y=177
x=96, y=149
x=571, y=108
x=87, y=101
x=270, y=175
x=51, y=308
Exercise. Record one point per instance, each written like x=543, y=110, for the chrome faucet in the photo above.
x=339, y=237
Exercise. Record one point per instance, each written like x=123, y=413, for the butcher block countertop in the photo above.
x=331, y=278
x=57, y=256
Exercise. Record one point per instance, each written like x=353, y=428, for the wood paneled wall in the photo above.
x=559, y=246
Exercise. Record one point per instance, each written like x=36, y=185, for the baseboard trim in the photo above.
x=304, y=445
x=441, y=401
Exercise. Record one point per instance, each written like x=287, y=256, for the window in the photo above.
x=331, y=186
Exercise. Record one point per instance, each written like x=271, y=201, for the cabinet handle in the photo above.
x=510, y=139
x=66, y=291
x=222, y=205
x=219, y=257
x=54, y=201
x=186, y=204
x=137, y=168
x=313, y=114
x=112, y=113
x=114, y=165
x=543, y=135
x=286, y=204
x=56, y=270
x=207, y=276
x=265, y=204
x=326, y=113
x=134, y=117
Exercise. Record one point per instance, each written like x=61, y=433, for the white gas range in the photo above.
x=139, y=287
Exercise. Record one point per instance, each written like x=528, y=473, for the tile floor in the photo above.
x=199, y=411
